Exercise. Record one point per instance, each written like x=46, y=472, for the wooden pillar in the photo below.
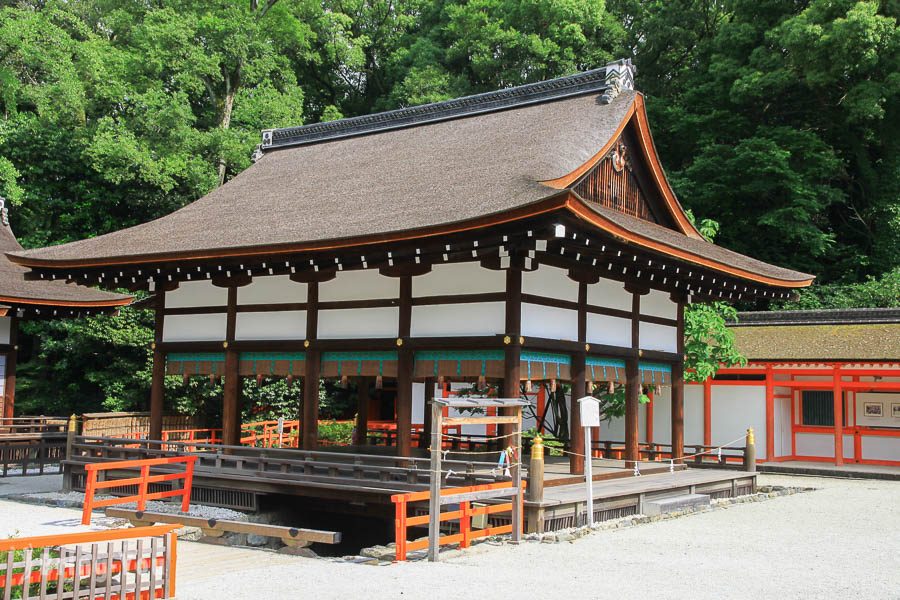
x=513, y=348
x=404, y=370
x=231, y=400
x=9, y=386
x=632, y=408
x=425, y=438
x=633, y=385
x=158, y=377
x=362, y=411
x=310, y=420
x=838, y=418
x=770, y=413
x=678, y=387
x=707, y=412
x=648, y=418
x=576, y=431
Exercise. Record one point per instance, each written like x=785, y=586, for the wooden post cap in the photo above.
x=751, y=439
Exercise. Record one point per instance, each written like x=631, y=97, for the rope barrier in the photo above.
x=717, y=449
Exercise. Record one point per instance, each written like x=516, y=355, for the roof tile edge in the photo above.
x=611, y=80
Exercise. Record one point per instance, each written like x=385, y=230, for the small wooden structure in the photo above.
x=510, y=414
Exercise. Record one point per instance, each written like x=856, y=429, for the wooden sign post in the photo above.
x=590, y=417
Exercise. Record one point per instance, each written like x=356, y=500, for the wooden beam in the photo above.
x=499, y=419
x=632, y=407
x=157, y=381
x=576, y=431
x=425, y=438
x=9, y=388
x=362, y=411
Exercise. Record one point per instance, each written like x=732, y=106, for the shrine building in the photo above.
x=525, y=234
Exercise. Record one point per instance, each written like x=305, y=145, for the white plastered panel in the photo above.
x=194, y=328
x=813, y=444
x=196, y=293
x=693, y=414
x=880, y=447
x=662, y=416
x=276, y=289
x=550, y=282
x=658, y=337
x=359, y=323
x=613, y=331
x=477, y=318
x=549, y=322
x=886, y=400
x=782, y=426
x=734, y=409
x=2, y=374
x=284, y=325
x=658, y=304
x=609, y=294
x=5, y=325
x=359, y=285
x=458, y=278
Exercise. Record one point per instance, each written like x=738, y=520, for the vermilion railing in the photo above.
x=464, y=514
x=118, y=564
x=142, y=482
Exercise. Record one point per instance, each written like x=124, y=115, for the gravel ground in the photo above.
x=840, y=541
x=32, y=484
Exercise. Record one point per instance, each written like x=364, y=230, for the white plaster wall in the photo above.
x=782, y=426
x=734, y=409
x=662, y=416
x=194, y=328
x=5, y=325
x=348, y=323
x=458, y=278
x=693, y=414
x=2, y=374
x=359, y=285
x=886, y=400
x=610, y=294
x=848, y=446
x=196, y=293
x=613, y=331
x=550, y=282
x=613, y=430
x=549, y=322
x=276, y=289
x=880, y=448
x=284, y=325
x=813, y=444
x=658, y=337
x=418, y=403
x=477, y=318
x=658, y=304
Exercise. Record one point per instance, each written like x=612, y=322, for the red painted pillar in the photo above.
x=838, y=418
x=770, y=413
x=707, y=412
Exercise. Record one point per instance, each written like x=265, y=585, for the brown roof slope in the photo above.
x=864, y=342
x=699, y=248
x=391, y=181
x=14, y=289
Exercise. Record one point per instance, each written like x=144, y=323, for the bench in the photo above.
x=291, y=536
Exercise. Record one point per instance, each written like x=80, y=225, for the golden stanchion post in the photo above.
x=750, y=451
x=535, y=490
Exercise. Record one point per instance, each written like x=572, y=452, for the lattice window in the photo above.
x=613, y=184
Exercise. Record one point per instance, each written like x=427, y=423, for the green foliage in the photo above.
x=882, y=292
x=708, y=343
x=336, y=432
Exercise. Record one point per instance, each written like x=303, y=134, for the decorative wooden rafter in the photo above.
x=612, y=183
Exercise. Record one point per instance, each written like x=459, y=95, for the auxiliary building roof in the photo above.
x=15, y=290
x=404, y=174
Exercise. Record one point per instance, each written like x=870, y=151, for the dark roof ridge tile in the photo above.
x=829, y=316
x=613, y=77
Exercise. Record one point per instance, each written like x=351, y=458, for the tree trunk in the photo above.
x=227, y=108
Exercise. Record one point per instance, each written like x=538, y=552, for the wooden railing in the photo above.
x=461, y=496
x=143, y=481
x=32, y=445
x=40, y=424
x=116, y=564
x=697, y=455
x=275, y=465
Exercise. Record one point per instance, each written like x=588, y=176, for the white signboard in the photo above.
x=590, y=411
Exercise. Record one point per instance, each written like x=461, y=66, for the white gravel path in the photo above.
x=840, y=541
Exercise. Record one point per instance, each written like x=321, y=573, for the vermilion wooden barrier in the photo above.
x=143, y=482
x=464, y=514
x=119, y=564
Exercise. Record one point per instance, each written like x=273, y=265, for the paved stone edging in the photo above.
x=382, y=555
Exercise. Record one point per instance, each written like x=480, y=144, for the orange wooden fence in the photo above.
x=117, y=564
x=143, y=482
x=464, y=514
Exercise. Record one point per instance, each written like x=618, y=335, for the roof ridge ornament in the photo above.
x=619, y=77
